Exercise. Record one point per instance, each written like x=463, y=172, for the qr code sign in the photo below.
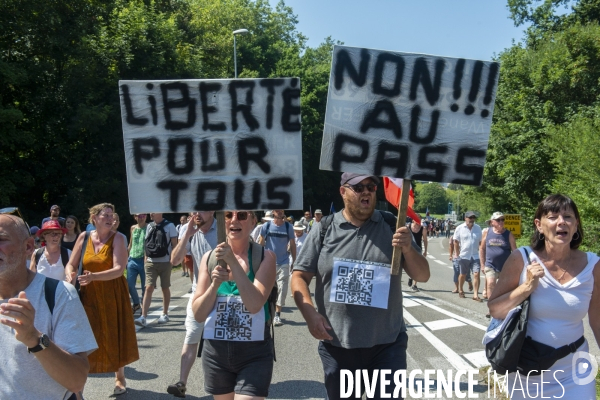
x=233, y=321
x=354, y=285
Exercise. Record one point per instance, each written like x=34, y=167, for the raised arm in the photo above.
x=508, y=293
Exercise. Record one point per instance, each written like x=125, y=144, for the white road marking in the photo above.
x=448, y=313
x=477, y=358
x=430, y=256
x=409, y=303
x=444, y=324
x=186, y=295
x=440, y=262
x=445, y=254
x=156, y=314
x=454, y=358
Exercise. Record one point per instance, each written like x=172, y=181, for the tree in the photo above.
x=431, y=196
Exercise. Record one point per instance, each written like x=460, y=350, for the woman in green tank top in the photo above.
x=232, y=301
x=135, y=263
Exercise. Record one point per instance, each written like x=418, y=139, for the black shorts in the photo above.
x=242, y=367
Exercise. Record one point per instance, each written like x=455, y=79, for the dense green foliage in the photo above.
x=544, y=137
x=60, y=62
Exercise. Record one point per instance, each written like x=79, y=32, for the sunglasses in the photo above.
x=359, y=188
x=241, y=215
x=499, y=220
x=15, y=211
x=53, y=234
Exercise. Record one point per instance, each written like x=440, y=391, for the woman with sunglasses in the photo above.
x=135, y=263
x=104, y=295
x=239, y=289
x=51, y=260
x=73, y=230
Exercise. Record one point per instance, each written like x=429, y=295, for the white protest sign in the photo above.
x=212, y=144
x=408, y=115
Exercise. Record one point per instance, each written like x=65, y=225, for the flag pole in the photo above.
x=402, y=208
x=221, y=236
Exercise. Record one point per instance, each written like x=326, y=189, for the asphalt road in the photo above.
x=445, y=332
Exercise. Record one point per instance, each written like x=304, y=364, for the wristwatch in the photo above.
x=44, y=343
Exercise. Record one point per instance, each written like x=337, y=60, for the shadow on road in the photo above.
x=297, y=389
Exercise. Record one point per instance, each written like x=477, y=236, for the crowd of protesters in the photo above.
x=86, y=306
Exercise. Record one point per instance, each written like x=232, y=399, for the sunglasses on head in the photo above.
x=359, y=188
x=241, y=215
x=15, y=211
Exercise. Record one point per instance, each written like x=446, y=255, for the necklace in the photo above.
x=563, y=270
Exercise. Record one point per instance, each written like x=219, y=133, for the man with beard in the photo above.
x=197, y=237
x=54, y=215
x=359, y=319
x=44, y=339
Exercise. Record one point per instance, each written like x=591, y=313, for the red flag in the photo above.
x=393, y=194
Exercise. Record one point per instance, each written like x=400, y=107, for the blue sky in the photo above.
x=475, y=29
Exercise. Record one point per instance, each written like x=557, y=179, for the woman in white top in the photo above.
x=564, y=285
x=50, y=261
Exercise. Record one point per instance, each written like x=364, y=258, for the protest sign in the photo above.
x=408, y=115
x=212, y=144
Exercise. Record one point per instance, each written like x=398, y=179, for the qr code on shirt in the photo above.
x=354, y=285
x=233, y=321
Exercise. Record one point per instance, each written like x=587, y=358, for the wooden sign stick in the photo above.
x=221, y=236
x=397, y=254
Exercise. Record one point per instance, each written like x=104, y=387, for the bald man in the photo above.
x=48, y=348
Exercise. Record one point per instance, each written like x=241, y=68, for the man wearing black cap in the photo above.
x=359, y=319
x=54, y=214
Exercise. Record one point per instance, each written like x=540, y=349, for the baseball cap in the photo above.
x=470, y=214
x=497, y=215
x=353, y=179
x=318, y=211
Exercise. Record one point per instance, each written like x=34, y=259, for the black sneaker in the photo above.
x=177, y=390
x=415, y=288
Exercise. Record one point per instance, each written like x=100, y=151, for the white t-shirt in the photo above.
x=469, y=240
x=299, y=242
x=171, y=233
x=22, y=377
x=55, y=271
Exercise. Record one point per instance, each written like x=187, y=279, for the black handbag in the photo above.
x=503, y=352
x=536, y=357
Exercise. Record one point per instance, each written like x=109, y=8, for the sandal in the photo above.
x=135, y=308
x=461, y=295
x=177, y=390
x=477, y=299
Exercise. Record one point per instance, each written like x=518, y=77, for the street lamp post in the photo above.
x=238, y=32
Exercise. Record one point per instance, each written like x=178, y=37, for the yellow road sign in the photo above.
x=512, y=222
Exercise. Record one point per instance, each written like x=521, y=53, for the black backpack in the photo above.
x=156, y=243
x=64, y=255
x=268, y=227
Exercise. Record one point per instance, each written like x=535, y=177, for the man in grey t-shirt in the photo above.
x=44, y=353
x=359, y=318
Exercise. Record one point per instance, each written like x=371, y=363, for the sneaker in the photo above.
x=415, y=288
x=141, y=321
x=178, y=389
x=187, y=274
x=163, y=319
x=183, y=274
x=277, y=321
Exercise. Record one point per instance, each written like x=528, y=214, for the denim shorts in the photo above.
x=467, y=265
x=242, y=367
